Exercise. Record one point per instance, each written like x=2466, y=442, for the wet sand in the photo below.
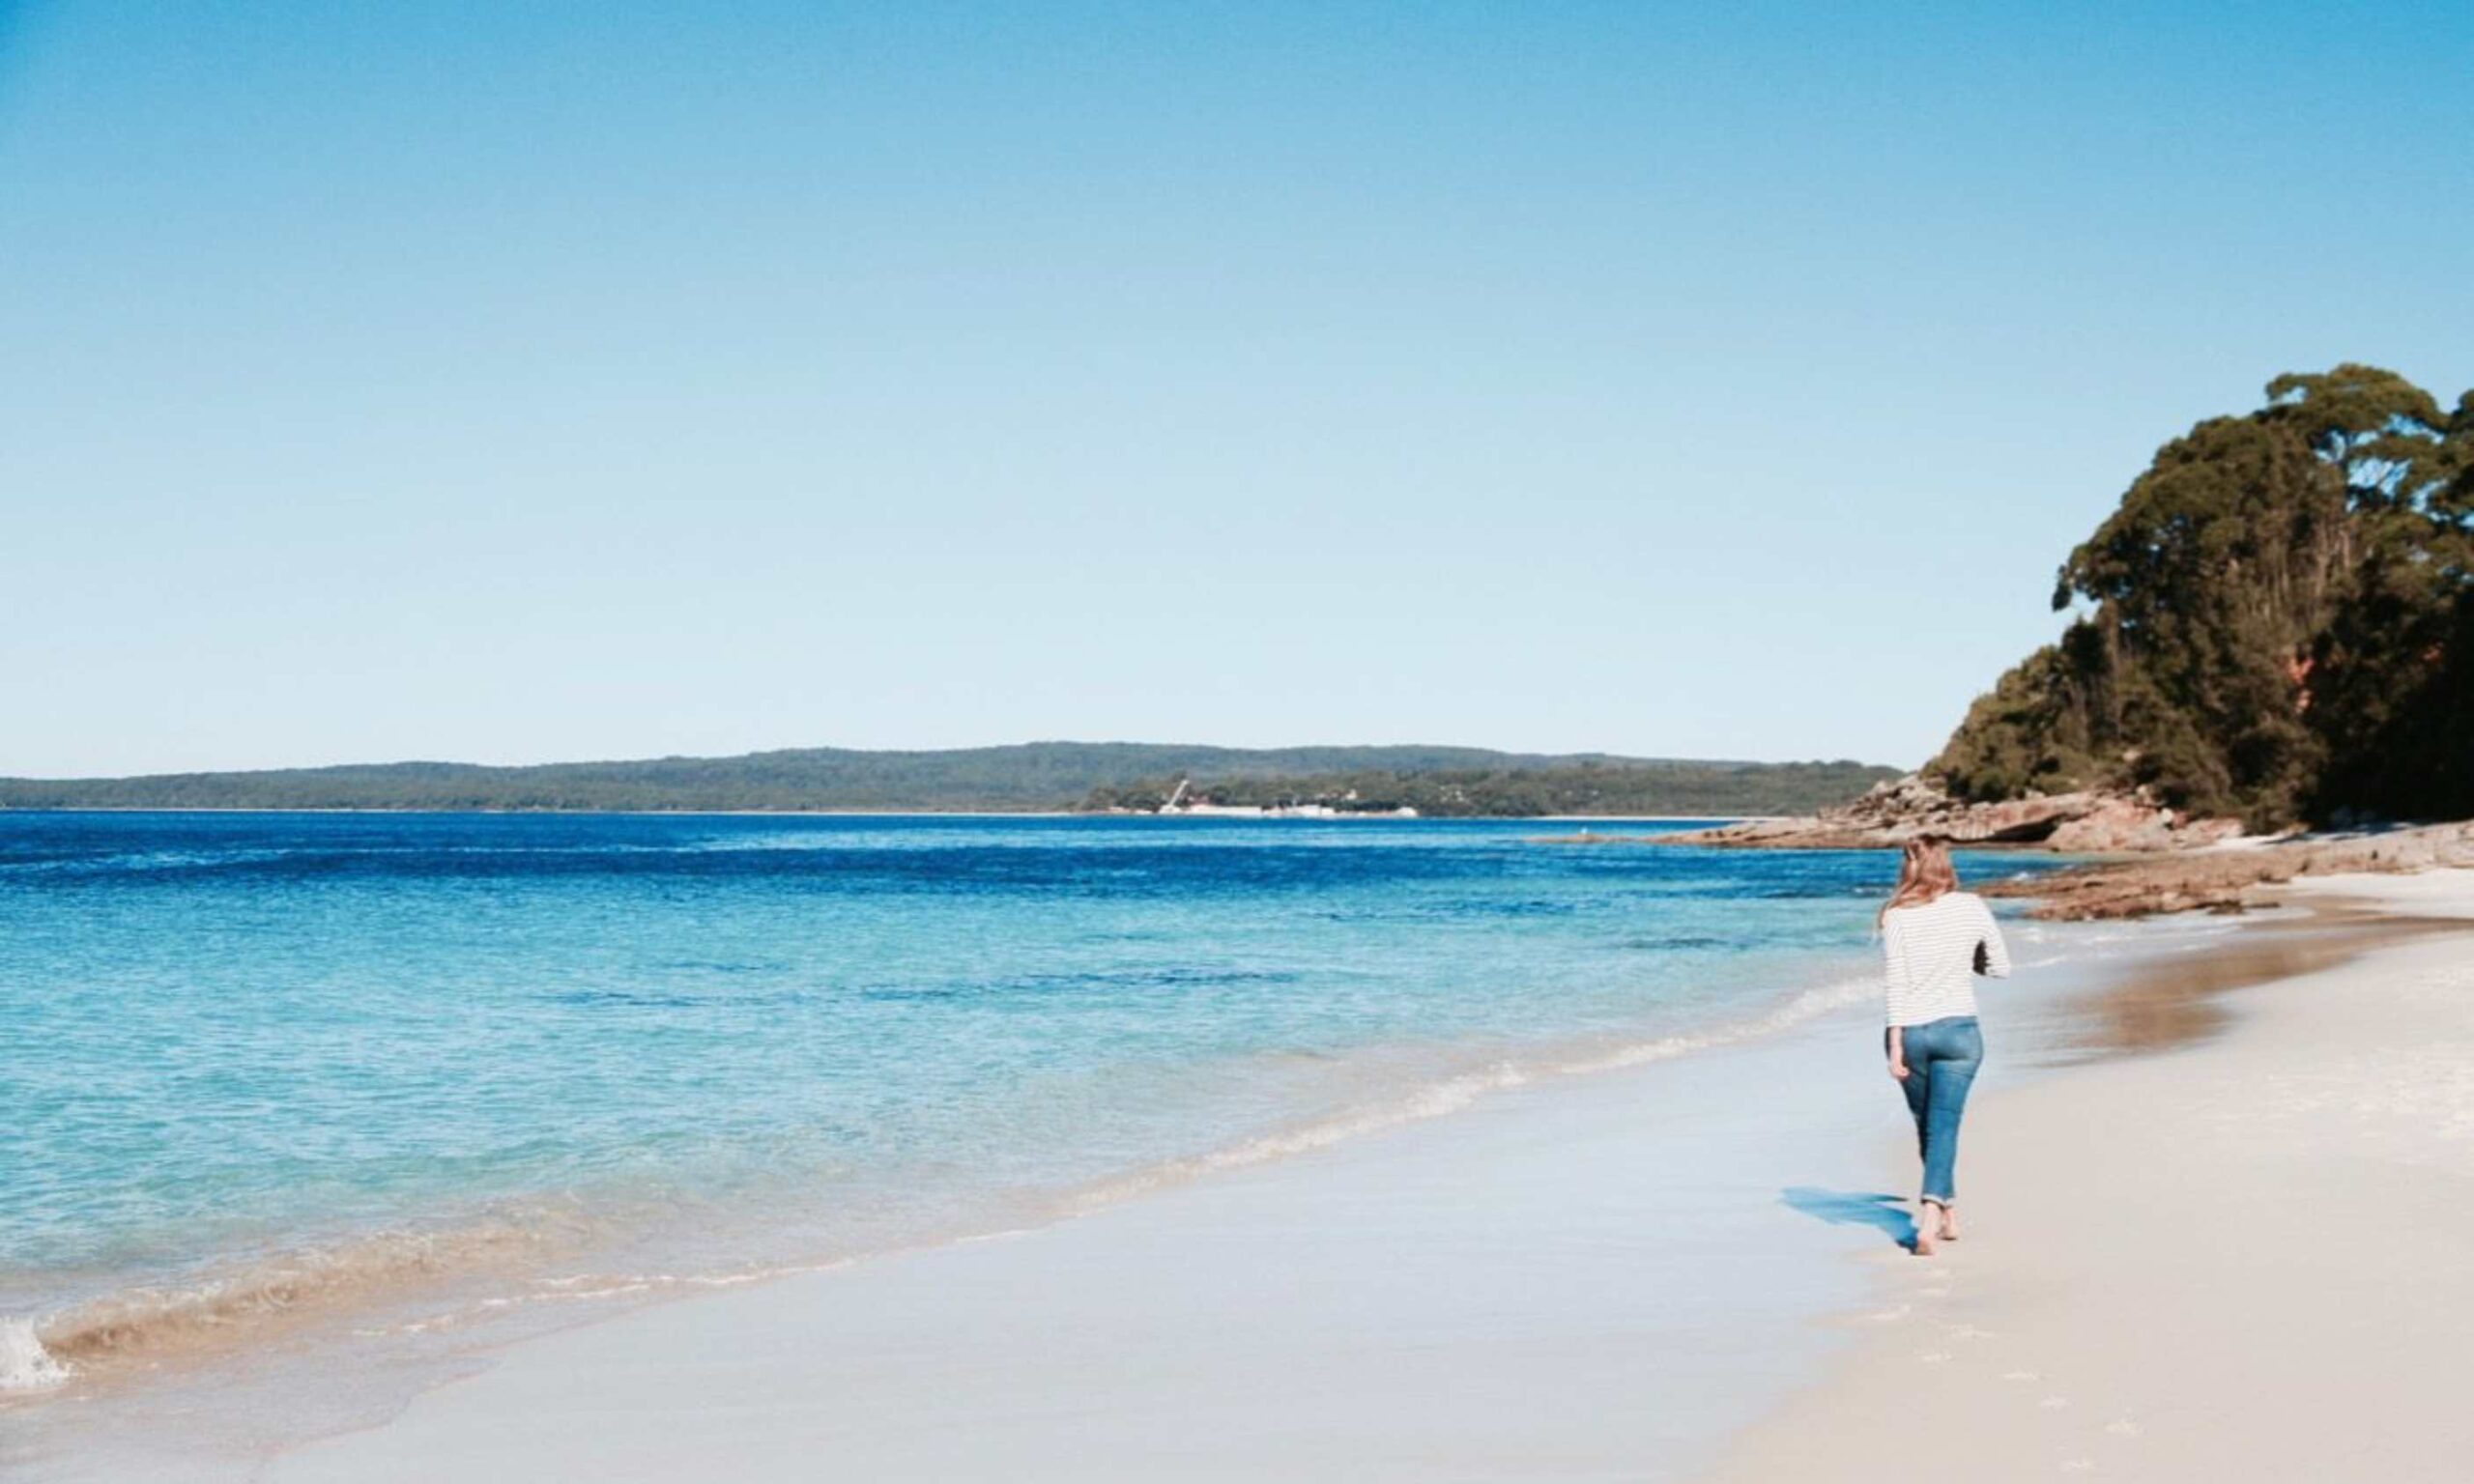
x=1593, y=1278
x=2178, y=998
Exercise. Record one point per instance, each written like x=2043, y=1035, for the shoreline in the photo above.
x=451, y=1273
x=1373, y=1309
x=2235, y=1253
x=1092, y=1064
x=204, y=1372
x=1613, y=1172
x=1682, y=1217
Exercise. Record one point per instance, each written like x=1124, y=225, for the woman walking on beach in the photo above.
x=1935, y=940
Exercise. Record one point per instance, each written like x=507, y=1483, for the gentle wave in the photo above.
x=246, y=1305
x=1461, y=1090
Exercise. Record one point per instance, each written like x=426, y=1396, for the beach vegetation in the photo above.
x=2276, y=622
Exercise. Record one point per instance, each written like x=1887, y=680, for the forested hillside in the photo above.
x=1034, y=776
x=2278, y=622
x=1711, y=790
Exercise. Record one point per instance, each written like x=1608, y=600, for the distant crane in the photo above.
x=1178, y=797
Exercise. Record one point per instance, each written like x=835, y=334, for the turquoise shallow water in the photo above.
x=388, y=1049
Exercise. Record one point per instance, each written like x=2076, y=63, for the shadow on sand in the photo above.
x=1885, y=1214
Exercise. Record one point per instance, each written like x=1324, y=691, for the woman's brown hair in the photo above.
x=1924, y=873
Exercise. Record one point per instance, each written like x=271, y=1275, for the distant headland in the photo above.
x=1033, y=776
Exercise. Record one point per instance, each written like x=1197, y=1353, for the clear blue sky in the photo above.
x=517, y=382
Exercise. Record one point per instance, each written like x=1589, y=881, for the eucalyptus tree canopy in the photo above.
x=2276, y=622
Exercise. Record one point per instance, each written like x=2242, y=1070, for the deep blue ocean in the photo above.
x=432, y=1065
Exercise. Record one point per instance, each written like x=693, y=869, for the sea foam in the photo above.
x=24, y=1364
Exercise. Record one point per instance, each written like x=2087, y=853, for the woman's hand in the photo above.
x=1897, y=1048
x=1898, y=1070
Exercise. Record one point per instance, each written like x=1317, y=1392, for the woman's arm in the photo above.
x=1996, y=954
x=1896, y=981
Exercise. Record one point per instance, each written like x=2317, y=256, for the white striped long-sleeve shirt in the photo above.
x=1929, y=956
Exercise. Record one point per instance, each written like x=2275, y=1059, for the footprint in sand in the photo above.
x=2022, y=1376
x=2054, y=1403
x=2079, y=1465
x=1967, y=1333
x=1884, y=1316
x=1934, y=1357
x=2123, y=1427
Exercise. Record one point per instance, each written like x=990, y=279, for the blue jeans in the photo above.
x=1941, y=1059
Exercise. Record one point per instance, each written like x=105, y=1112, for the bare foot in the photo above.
x=1949, y=1224
x=1927, y=1229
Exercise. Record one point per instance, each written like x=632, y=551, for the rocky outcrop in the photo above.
x=2222, y=880
x=2114, y=825
x=2159, y=864
x=2088, y=822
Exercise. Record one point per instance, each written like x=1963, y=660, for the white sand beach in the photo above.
x=2243, y=1259
x=2237, y=1257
